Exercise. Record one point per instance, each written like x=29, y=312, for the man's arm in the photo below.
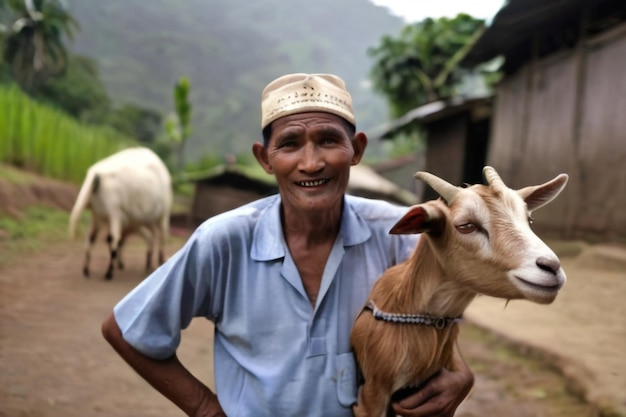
x=168, y=376
x=441, y=395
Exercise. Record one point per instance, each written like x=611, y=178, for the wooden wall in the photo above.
x=567, y=113
x=210, y=200
x=445, y=151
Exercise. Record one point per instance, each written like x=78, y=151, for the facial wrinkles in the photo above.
x=311, y=157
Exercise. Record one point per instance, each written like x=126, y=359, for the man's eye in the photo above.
x=467, y=228
x=287, y=144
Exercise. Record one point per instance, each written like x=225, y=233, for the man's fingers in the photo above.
x=435, y=407
x=431, y=400
x=416, y=399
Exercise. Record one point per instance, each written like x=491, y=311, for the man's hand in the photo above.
x=441, y=395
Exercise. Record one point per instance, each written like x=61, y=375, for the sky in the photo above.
x=417, y=10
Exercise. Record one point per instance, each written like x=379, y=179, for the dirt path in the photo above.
x=583, y=332
x=54, y=362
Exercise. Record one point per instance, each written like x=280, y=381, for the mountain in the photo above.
x=230, y=49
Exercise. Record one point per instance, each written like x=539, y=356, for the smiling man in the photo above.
x=282, y=278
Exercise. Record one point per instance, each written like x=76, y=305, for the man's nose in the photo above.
x=312, y=160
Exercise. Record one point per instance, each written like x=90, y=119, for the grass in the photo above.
x=26, y=230
x=34, y=230
x=43, y=139
x=14, y=175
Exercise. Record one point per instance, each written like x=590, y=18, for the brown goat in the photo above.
x=475, y=240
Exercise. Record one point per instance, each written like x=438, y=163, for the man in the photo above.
x=282, y=278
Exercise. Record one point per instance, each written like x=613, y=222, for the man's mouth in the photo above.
x=315, y=183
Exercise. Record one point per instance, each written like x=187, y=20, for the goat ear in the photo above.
x=539, y=195
x=420, y=218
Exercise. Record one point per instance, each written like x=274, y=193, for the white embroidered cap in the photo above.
x=299, y=93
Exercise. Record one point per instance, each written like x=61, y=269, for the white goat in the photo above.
x=475, y=240
x=128, y=192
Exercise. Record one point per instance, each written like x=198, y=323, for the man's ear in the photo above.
x=359, y=143
x=260, y=153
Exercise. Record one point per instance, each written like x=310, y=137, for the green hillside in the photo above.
x=230, y=49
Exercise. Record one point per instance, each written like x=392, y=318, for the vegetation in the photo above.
x=178, y=125
x=34, y=56
x=421, y=65
x=127, y=54
x=45, y=140
x=34, y=48
x=35, y=229
x=230, y=51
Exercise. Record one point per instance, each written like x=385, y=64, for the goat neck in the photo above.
x=420, y=286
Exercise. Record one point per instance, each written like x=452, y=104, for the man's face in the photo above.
x=310, y=155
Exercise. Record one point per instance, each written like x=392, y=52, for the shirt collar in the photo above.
x=268, y=242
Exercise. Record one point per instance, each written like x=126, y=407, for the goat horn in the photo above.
x=493, y=179
x=446, y=190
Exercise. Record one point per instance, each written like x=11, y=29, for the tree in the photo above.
x=139, y=122
x=177, y=125
x=34, y=47
x=4, y=70
x=79, y=91
x=421, y=65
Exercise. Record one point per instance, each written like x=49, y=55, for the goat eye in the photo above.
x=530, y=220
x=467, y=228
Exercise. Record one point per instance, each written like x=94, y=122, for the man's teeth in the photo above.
x=311, y=183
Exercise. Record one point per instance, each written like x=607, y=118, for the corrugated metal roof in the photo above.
x=430, y=112
x=518, y=20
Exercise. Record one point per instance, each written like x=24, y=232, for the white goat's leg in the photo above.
x=162, y=231
x=120, y=248
x=148, y=236
x=91, y=238
x=115, y=235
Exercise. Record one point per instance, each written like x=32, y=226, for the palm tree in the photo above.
x=34, y=47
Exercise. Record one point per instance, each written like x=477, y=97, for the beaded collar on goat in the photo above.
x=437, y=322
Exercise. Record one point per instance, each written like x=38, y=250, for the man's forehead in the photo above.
x=313, y=118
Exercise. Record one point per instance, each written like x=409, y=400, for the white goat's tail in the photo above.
x=82, y=201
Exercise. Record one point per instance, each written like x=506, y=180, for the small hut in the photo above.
x=223, y=188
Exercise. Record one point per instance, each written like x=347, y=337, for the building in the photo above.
x=561, y=107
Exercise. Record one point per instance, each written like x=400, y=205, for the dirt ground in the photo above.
x=55, y=363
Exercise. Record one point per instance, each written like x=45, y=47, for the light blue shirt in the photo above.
x=274, y=354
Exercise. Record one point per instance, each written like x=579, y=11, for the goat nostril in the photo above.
x=549, y=264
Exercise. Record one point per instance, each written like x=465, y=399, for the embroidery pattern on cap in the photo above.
x=301, y=99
